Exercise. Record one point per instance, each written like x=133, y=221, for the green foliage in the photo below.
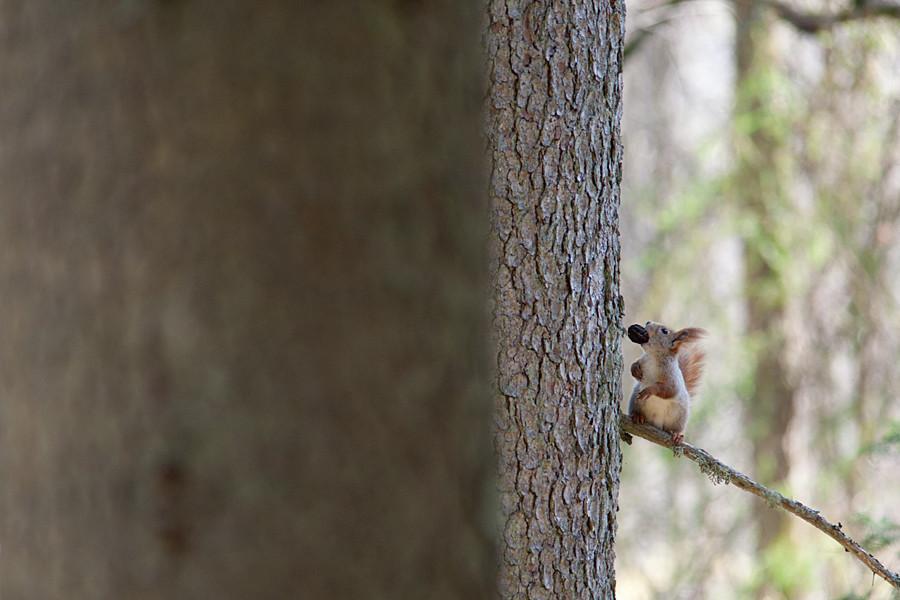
x=890, y=442
x=855, y=596
x=895, y=595
x=880, y=533
x=788, y=567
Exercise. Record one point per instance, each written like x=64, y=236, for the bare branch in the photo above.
x=808, y=22
x=719, y=472
x=637, y=40
x=803, y=21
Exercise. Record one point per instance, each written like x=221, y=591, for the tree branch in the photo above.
x=807, y=22
x=637, y=40
x=719, y=472
x=803, y=21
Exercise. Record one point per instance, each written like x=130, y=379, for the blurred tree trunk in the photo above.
x=243, y=350
x=554, y=111
x=761, y=194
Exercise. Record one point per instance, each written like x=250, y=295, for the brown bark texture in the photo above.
x=244, y=350
x=553, y=125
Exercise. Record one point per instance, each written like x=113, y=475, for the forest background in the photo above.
x=761, y=200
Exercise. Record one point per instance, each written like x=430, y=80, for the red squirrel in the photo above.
x=668, y=374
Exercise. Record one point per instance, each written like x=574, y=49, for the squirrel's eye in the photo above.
x=664, y=331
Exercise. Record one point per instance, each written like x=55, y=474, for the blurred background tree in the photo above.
x=761, y=200
x=245, y=344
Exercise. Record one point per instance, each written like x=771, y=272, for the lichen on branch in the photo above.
x=718, y=472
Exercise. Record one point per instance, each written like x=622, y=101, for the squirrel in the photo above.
x=668, y=374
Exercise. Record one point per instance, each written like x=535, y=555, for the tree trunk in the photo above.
x=761, y=195
x=243, y=351
x=554, y=110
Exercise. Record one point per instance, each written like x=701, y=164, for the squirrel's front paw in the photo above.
x=638, y=418
x=677, y=438
x=643, y=395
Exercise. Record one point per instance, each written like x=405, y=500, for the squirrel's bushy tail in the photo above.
x=691, y=362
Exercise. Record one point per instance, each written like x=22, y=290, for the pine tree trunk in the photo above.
x=554, y=111
x=243, y=348
x=761, y=192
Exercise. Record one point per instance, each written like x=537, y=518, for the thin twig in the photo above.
x=636, y=40
x=808, y=22
x=719, y=472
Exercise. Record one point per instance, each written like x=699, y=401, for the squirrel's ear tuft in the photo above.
x=688, y=335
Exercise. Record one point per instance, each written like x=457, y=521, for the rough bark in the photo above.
x=554, y=110
x=243, y=346
x=760, y=194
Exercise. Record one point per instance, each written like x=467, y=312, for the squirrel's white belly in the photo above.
x=662, y=412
